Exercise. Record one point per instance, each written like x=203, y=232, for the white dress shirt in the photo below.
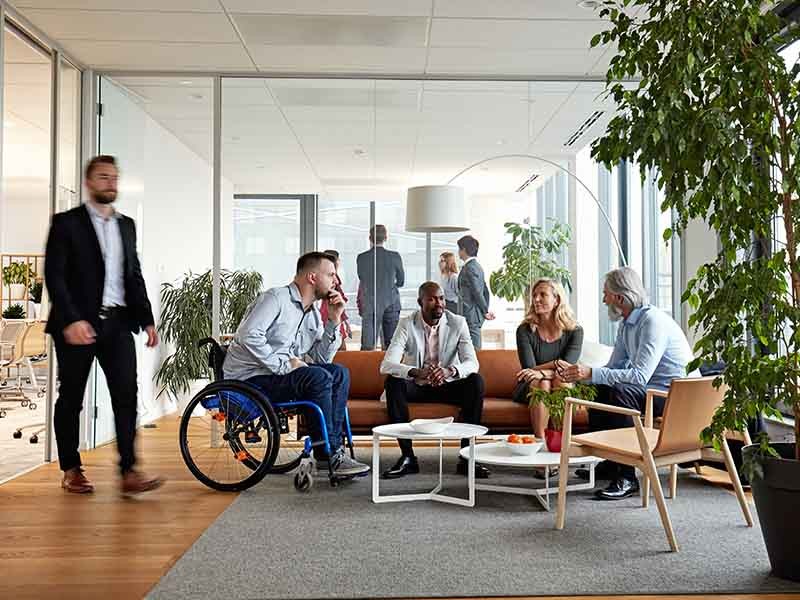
x=110, y=239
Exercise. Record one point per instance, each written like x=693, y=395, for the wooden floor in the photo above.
x=67, y=546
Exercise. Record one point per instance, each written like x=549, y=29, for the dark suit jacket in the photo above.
x=390, y=277
x=473, y=293
x=75, y=273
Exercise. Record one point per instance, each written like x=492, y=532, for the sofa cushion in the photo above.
x=366, y=380
x=499, y=369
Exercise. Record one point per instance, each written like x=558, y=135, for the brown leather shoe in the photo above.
x=75, y=482
x=135, y=482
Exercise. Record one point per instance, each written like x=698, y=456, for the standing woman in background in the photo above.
x=448, y=279
x=347, y=332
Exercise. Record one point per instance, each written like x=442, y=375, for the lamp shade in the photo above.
x=436, y=209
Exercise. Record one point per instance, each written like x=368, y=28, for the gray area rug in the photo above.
x=274, y=542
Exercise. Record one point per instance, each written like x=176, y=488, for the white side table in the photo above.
x=454, y=431
x=497, y=454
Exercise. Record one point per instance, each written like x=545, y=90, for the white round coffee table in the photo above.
x=404, y=431
x=497, y=454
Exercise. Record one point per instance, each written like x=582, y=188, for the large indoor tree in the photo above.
x=705, y=99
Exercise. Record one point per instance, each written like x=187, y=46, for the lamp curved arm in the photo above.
x=622, y=256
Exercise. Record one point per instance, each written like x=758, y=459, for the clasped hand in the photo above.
x=434, y=375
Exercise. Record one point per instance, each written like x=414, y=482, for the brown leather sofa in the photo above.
x=500, y=413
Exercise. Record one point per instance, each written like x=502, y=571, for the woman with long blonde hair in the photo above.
x=448, y=279
x=548, y=340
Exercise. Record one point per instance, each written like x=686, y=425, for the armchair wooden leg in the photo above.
x=673, y=481
x=645, y=490
x=697, y=468
x=737, y=485
x=649, y=466
x=566, y=437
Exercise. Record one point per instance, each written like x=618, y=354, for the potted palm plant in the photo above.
x=716, y=116
x=186, y=318
x=15, y=311
x=528, y=256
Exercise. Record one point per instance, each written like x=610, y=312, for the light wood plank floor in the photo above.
x=66, y=546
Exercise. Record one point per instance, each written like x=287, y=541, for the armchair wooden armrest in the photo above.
x=648, y=405
x=605, y=407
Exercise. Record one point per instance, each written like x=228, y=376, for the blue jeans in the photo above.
x=326, y=385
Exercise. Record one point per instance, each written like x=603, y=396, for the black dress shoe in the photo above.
x=618, y=489
x=404, y=466
x=481, y=472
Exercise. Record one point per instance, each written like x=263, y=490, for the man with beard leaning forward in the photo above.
x=283, y=347
x=650, y=351
x=431, y=359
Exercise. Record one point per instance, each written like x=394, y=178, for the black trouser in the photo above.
x=626, y=395
x=466, y=393
x=387, y=323
x=116, y=354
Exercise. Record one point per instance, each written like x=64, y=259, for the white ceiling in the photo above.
x=431, y=37
x=345, y=137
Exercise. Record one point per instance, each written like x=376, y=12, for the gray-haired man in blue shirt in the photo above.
x=651, y=350
x=283, y=347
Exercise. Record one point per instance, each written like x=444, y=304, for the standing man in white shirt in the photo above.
x=98, y=299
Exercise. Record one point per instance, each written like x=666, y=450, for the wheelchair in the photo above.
x=232, y=435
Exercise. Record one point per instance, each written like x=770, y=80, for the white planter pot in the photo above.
x=37, y=311
x=17, y=291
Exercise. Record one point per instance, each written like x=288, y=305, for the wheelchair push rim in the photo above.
x=229, y=436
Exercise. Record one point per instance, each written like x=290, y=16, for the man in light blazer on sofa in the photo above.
x=431, y=359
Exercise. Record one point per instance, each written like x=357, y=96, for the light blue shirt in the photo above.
x=275, y=329
x=110, y=239
x=651, y=350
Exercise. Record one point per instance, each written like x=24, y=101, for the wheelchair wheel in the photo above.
x=290, y=449
x=229, y=436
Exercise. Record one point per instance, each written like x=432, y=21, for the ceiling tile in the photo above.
x=312, y=30
x=124, y=5
x=150, y=55
x=511, y=62
x=133, y=26
x=406, y=8
x=514, y=9
x=498, y=34
x=339, y=59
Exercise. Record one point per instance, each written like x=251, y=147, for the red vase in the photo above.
x=552, y=438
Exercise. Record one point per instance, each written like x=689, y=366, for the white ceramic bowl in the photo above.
x=430, y=426
x=524, y=449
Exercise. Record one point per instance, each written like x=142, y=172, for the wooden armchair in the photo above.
x=688, y=410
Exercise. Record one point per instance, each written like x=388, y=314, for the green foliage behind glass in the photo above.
x=716, y=113
x=527, y=257
x=186, y=319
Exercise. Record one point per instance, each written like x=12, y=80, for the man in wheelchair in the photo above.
x=283, y=347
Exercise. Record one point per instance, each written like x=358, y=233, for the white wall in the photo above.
x=585, y=233
x=699, y=246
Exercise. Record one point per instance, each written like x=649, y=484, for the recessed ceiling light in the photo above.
x=260, y=166
x=360, y=152
x=196, y=96
x=501, y=142
x=589, y=4
x=186, y=82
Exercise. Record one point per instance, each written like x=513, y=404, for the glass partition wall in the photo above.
x=41, y=100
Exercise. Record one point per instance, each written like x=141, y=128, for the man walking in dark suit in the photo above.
x=473, y=294
x=98, y=298
x=381, y=274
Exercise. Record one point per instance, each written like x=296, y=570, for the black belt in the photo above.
x=107, y=312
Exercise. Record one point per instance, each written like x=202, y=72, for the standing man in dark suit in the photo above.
x=381, y=274
x=473, y=294
x=98, y=298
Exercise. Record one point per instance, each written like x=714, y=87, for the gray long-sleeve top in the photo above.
x=275, y=329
